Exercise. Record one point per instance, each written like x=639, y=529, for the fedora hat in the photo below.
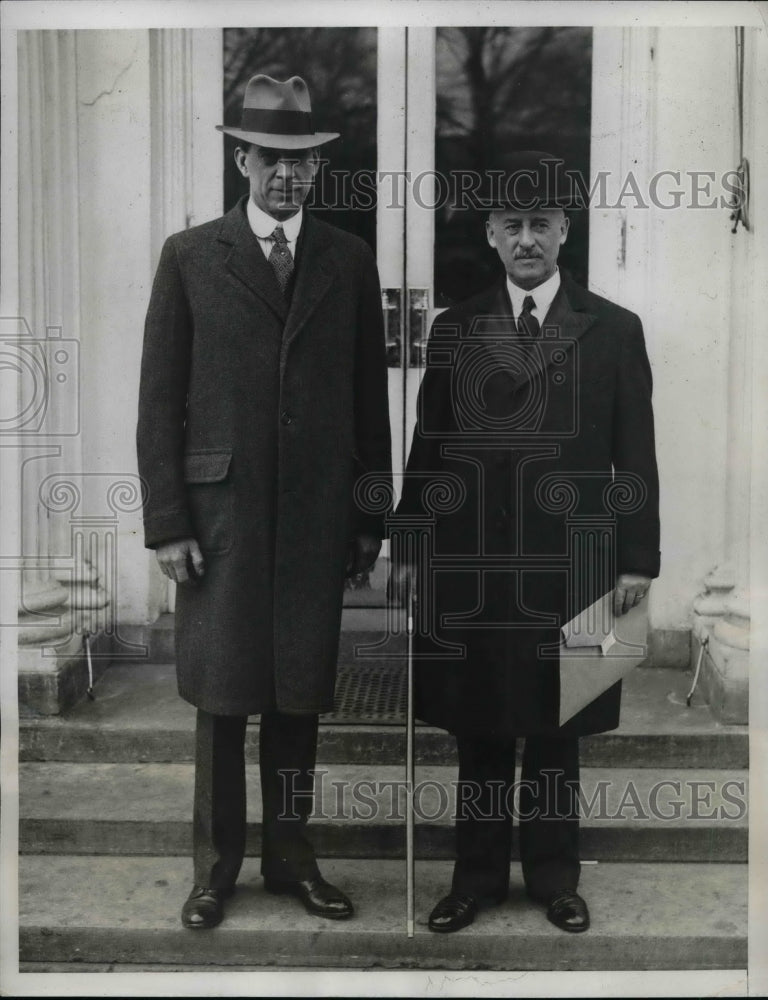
x=530, y=179
x=278, y=114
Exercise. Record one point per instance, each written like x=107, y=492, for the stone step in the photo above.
x=138, y=716
x=627, y=814
x=126, y=910
x=366, y=620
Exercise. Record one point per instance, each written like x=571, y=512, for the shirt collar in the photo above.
x=543, y=295
x=263, y=225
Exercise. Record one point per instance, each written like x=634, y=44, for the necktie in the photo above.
x=527, y=325
x=280, y=258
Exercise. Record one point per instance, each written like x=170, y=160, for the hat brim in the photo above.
x=272, y=141
x=534, y=204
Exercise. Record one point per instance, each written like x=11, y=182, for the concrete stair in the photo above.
x=637, y=815
x=138, y=717
x=105, y=808
x=641, y=919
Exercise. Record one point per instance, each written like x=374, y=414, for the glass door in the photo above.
x=473, y=95
x=355, y=77
x=499, y=89
x=421, y=111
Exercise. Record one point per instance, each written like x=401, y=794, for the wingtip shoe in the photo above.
x=204, y=908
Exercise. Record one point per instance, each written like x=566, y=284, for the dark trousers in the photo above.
x=287, y=754
x=548, y=817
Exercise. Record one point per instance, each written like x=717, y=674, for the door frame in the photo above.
x=187, y=184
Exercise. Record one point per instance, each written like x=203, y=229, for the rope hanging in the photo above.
x=740, y=203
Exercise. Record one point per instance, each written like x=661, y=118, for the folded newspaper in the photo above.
x=597, y=650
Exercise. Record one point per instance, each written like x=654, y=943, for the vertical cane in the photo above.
x=409, y=769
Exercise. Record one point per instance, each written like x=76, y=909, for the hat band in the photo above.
x=276, y=122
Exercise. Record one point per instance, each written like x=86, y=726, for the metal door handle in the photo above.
x=418, y=326
x=392, y=307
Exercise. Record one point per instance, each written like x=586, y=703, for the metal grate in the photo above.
x=369, y=694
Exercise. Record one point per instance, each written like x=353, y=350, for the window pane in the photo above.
x=501, y=89
x=339, y=65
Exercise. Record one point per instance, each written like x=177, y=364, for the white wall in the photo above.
x=670, y=105
x=672, y=109
x=116, y=274
x=134, y=193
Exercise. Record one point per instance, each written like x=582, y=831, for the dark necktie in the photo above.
x=527, y=325
x=280, y=258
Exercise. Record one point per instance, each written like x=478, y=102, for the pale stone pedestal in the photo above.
x=52, y=662
x=721, y=622
x=53, y=678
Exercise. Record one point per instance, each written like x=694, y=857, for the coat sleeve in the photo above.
x=636, y=493
x=165, y=365
x=373, y=444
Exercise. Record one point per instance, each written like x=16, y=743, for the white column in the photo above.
x=61, y=597
x=726, y=678
x=42, y=599
x=692, y=283
x=186, y=79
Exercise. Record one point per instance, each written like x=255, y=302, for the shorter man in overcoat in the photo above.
x=263, y=401
x=532, y=475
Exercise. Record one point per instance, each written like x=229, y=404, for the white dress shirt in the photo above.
x=543, y=295
x=263, y=226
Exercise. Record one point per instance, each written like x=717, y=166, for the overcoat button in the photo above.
x=285, y=417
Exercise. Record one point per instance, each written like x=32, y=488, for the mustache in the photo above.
x=527, y=256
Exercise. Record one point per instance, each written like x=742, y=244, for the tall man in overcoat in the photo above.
x=263, y=400
x=532, y=476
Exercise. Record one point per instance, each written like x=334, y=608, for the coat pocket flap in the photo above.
x=206, y=466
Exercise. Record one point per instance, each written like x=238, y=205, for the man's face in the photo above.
x=527, y=242
x=279, y=178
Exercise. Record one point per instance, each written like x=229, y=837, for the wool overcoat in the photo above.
x=531, y=482
x=256, y=418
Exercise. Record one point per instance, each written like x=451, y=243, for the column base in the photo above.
x=724, y=678
x=53, y=678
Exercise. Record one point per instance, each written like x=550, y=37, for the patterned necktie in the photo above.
x=527, y=325
x=280, y=258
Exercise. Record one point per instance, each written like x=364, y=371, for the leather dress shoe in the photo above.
x=454, y=911
x=204, y=908
x=318, y=896
x=568, y=911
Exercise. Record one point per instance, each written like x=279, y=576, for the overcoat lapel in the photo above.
x=316, y=270
x=494, y=326
x=568, y=314
x=247, y=262
x=566, y=321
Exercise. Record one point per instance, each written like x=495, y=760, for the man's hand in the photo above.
x=363, y=553
x=181, y=561
x=630, y=590
x=402, y=579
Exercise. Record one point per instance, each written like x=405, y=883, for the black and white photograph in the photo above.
x=383, y=409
